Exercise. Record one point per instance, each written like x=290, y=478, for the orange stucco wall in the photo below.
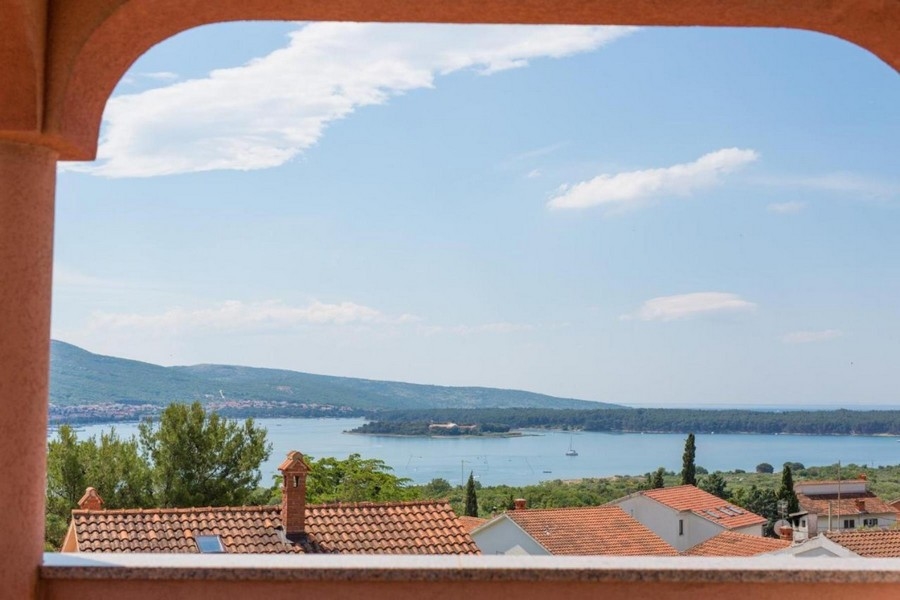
x=60, y=60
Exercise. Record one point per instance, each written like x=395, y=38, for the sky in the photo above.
x=651, y=217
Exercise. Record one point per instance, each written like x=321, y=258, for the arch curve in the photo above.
x=92, y=44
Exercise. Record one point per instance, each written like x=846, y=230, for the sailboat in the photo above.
x=571, y=451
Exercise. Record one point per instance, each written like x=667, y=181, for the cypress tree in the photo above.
x=689, y=469
x=471, y=499
x=786, y=491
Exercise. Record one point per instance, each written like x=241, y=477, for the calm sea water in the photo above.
x=540, y=455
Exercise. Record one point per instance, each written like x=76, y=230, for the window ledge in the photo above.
x=382, y=568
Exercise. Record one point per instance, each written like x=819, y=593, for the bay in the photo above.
x=541, y=454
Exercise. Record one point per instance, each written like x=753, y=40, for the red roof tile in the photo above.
x=704, y=504
x=363, y=528
x=590, y=531
x=470, y=523
x=884, y=543
x=849, y=504
x=732, y=543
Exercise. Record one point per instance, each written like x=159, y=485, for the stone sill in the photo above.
x=382, y=568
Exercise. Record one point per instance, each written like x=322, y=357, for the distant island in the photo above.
x=646, y=420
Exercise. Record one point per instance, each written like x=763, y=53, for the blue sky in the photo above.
x=660, y=217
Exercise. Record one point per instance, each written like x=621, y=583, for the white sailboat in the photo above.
x=571, y=451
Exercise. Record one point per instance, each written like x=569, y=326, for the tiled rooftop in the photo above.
x=365, y=528
x=470, y=523
x=875, y=543
x=732, y=543
x=847, y=505
x=591, y=530
x=704, y=504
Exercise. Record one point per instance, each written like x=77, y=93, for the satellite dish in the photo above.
x=782, y=523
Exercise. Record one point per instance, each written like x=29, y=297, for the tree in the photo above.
x=354, y=479
x=716, y=485
x=765, y=468
x=689, y=469
x=471, y=498
x=761, y=502
x=202, y=459
x=786, y=491
x=113, y=466
x=658, y=481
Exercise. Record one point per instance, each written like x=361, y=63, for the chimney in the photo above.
x=91, y=500
x=786, y=533
x=521, y=503
x=863, y=476
x=860, y=505
x=293, y=495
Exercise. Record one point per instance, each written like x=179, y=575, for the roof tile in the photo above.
x=881, y=543
x=706, y=505
x=590, y=530
x=732, y=543
x=429, y=527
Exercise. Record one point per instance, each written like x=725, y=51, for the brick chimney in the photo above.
x=786, y=533
x=521, y=503
x=91, y=500
x=860, y=505
x=293, y=495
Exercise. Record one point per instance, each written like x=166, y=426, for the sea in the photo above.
x=540, y=455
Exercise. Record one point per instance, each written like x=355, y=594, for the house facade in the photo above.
x=685, y=516
x=845, y=505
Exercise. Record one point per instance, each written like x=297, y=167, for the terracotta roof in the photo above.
x=704, y=504
x=470, y=523
x=873, y=543
x=870, y=503
x=591, y=530
x=732, y=543
x=365, y=528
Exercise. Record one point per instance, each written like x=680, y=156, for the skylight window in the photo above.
x=209, y=544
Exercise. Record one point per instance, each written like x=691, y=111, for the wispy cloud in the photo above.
x=683, y=306
x=235, y=315
x=811, y=337
x=630, y=187
x=533, y=174
x=502, y=327
x=268, y=111
x=160, y=75
x=786, y=208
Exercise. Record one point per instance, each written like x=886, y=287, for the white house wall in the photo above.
x=505, y=537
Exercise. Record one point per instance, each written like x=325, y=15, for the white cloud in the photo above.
x=161, y=75
x=234, y=315
x=671, y=308
x=495, y=328
x=534, y=173
x=627, y=188
x=809, y=337
x=786, y=208
x=268, y=111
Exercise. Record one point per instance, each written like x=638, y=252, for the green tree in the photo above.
x=471, y=498
x=202, y=459
x=658, y=481
x=786, y=491
x=765, y=468
x=688, y=468
x=437, y=488
x=112, y=465
x=715, y=484
x=354, y=479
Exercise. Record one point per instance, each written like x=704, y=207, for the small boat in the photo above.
x=548, y=471
x=571, y=451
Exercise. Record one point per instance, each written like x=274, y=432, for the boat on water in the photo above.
x=571, y=451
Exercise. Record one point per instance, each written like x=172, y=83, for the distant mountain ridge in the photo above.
x=79, y=377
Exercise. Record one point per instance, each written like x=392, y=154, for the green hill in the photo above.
x=79, y=377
